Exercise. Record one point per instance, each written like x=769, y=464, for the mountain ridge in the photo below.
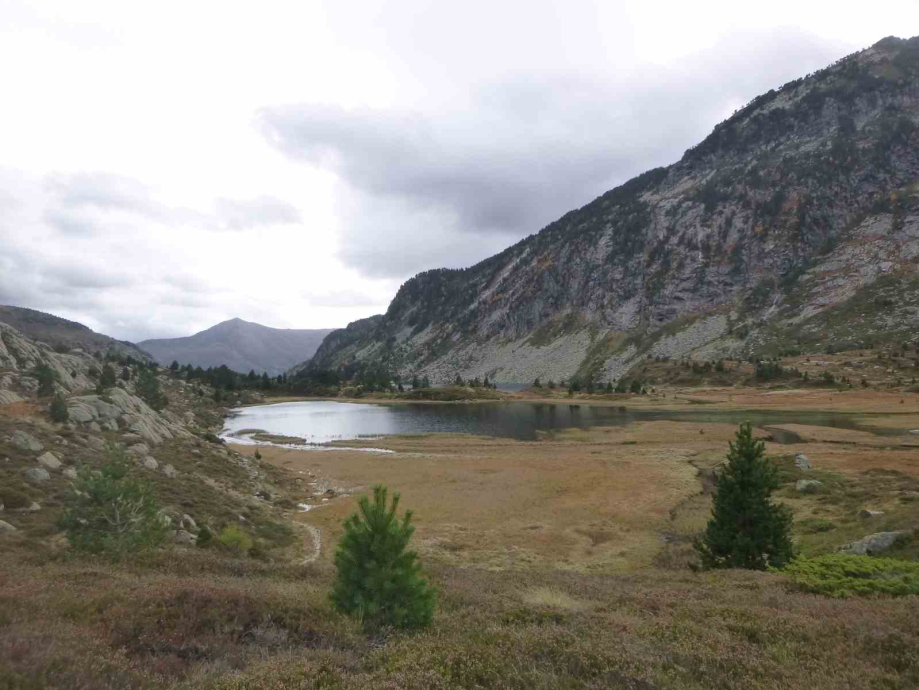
x=714, y=255
x=64, y=334
x=241, y=345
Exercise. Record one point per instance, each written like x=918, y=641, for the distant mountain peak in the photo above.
x=241, y=345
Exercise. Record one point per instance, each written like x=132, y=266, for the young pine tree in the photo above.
x=106, y=379
x=58, y=410
x=747, y=529
x=378, y=580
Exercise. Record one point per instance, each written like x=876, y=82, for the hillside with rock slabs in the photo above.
x=65, y=335
x=796, y=222
x=241, y=345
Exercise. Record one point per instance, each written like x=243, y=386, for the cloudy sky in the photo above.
x=168, y=165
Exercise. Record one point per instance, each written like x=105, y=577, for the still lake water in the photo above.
x=321, y=421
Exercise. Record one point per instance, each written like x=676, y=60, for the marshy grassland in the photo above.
x=561, y=563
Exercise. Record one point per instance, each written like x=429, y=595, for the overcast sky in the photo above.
x=168, y=165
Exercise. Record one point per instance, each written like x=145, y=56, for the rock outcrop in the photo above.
x=872, y=544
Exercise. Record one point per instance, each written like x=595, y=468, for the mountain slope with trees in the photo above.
x=65, y=335
x=786, y=227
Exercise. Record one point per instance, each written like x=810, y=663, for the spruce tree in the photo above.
x=106, y=379
x=747, y=530
x=58, y=410
x=378, y=580
x=46, y=379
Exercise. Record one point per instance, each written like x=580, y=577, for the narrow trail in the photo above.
x=317, y=543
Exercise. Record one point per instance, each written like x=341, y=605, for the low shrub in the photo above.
x=113, y=512
x=14, y=500
x=234, y=538
x=205, y=537
x=841, y=575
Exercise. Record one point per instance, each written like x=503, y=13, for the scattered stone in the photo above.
x=187, y=538
x=802, y=462
x=808, y=486
x=866, y=513
x=6, y=527
x=872, y=544
x=170, y=471
x=70, y=473
x=150, y=463
x=139, y=450
x=37, y=474
x=25, y=441
x=49, y=461
x=95, y=443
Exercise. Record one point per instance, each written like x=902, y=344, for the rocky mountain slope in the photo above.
x=198, y=481
x=65, y=335
x=241, y=345
x=794, y=224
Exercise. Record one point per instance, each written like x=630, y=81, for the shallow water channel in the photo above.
x=319, y=422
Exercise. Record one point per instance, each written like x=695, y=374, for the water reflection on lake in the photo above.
x=324, y=421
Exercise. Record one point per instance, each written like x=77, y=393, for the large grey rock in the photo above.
x=872, y=544
x=95, y=443
x=187, y=538
x=867, y=513
x=37, y=474
x=70, y=473
x=150, y=463
x=808, y=486
x=25, y=441
x=139, y=450
x=189, y=523
x=7, y=528
x=802, y=462
x=170, y=471
x=49, y=461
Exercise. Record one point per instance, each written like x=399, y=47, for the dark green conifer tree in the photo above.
x=46, y=379
x=747, y=530
x=378, y=580
x=58, y=410
x=106, y=379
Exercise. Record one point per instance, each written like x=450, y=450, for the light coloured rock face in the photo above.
x=872, y=544
x=802, y=462
x=49, y=461
x=6, y=527
x=37, y=475
x=70, y=473
x=189, y=524
x=9, y=397
x=126, y=409
x=150, y=463
x=867, y=513
x=25, y=441
x=170, y=471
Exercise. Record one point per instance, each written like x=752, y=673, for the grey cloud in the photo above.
x=342, y=298
x=524, y=151
x=236, y=214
